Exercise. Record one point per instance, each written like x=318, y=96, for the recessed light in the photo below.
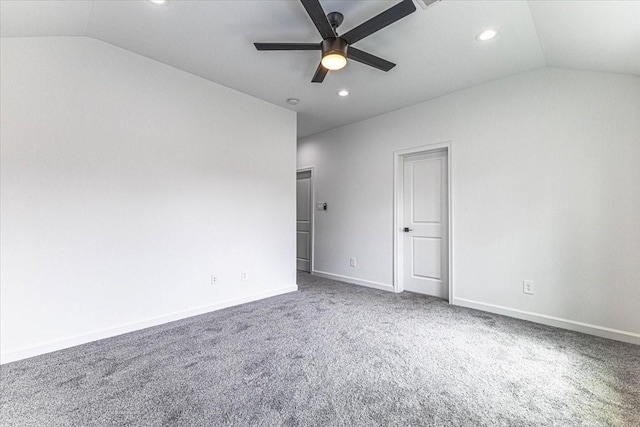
x=161, y=2
x=343, y=92
x=293, y=101
x=487, y=34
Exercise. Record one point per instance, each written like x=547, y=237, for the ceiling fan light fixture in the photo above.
x=334, y=61
x=334, y=53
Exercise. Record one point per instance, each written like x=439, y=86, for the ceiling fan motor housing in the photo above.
x=334, y=45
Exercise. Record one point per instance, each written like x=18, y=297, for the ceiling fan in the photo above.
x=337, y=48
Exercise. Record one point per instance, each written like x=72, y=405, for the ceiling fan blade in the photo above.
x=319, y=18
x=378, y=22
x=287, y=46
x=320, y=74
x=368, y=59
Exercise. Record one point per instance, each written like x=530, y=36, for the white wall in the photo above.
x=127, y=183
x=546, y=186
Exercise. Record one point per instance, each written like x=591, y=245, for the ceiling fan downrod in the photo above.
x=335, y=20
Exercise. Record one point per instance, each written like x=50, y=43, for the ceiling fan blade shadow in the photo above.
x=320, y=74
x=378, y=22
x=287, y=46
x=369, y=59
x=319, y=18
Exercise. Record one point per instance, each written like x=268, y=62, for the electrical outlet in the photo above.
x=352, y=262
x=527, y=287
x=214, y=279
x=243, y=276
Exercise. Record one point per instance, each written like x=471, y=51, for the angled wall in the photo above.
x=126, y=184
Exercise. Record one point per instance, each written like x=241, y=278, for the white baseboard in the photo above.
x=572, y=325
x=73, y=341
x=353, y=280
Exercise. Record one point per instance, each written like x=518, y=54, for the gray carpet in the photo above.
x=332, y=354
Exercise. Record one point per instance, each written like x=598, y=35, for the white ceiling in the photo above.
x=435, y=48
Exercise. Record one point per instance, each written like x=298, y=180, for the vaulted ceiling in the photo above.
x=434, y=48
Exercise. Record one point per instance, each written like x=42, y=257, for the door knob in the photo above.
x=407, y=229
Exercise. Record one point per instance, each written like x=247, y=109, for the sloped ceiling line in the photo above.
x=435, y=49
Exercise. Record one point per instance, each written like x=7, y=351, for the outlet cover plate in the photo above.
x=527, y=287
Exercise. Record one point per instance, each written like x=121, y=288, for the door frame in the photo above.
x=311, y=169
x=398, y=210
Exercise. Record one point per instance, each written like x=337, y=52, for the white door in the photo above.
x=303, y=221
x=424, y=228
